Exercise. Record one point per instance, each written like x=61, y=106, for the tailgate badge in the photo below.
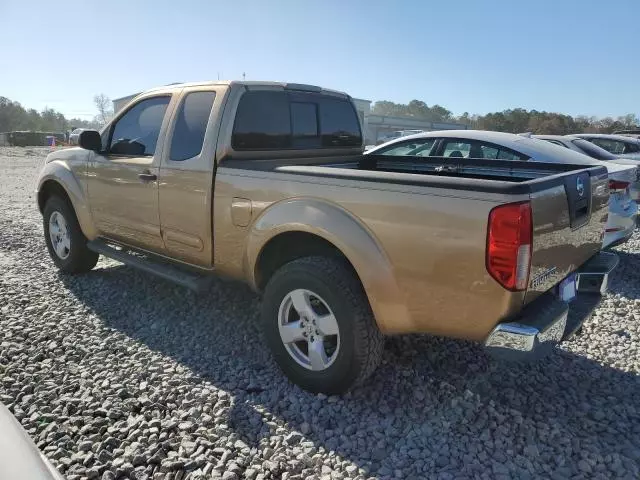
x=543, y=277
x=580, y=187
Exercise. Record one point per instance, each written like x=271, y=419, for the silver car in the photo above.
x=619, y=145
x=581, y=145
x=507, y=146
x=75, y=135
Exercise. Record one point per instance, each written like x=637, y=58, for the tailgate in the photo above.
x=568, y=228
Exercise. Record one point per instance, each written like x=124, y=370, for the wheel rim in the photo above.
x=309, y=330
x=59, y=235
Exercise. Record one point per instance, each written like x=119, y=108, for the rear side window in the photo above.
x=419, y=147
x=631, y=148
x=268, y=120
x=478, y=150
x=456, y=149
x=612, y=146
x=510, y=155
x=191, y=125
x=489, y=152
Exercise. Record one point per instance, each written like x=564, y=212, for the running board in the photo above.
x=194, y=281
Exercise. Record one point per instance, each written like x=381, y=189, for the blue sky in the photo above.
x=576, y=57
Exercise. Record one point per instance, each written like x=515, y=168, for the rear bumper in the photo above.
x=621, y=225
x=548, y=320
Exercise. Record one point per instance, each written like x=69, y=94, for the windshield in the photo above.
x=593, y=150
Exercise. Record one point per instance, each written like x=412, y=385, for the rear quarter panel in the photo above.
x=433, y=240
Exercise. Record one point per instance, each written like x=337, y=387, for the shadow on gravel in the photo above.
x=434, y=405
x=626, y=280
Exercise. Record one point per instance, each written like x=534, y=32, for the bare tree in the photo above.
x=103, y=104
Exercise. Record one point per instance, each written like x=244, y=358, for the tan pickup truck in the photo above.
x=266, y=182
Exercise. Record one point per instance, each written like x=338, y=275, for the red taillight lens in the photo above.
x=509, y=241
x=617, y=186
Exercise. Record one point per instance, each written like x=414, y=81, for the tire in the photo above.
x=75, y=257
x=321, y=283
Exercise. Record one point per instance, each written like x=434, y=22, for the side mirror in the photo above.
x=90, y=140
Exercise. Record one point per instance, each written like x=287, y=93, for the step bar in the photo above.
x=198, y=282
x=593, y=276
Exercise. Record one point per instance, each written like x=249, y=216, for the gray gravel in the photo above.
x=116, y=374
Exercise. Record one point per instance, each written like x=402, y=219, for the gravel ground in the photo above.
x=116, y=374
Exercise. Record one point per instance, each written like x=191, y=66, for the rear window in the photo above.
x=593, y=150
x=612, y=146
x=268, y=120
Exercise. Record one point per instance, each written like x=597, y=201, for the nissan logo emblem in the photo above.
x=580, y=187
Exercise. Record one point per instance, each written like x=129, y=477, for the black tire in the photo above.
x=79, y=259
x=361, y=343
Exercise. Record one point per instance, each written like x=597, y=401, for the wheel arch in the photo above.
x=58, y=180
x=309, y=227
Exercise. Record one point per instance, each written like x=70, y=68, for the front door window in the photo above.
x=136, y=132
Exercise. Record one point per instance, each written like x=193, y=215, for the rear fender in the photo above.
x=345, y=232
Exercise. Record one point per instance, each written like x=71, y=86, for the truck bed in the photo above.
x=497, y=176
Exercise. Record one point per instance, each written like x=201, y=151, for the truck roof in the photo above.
x=253, y=83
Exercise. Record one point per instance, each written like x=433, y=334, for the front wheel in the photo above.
x=65, y=241
x=319, y=325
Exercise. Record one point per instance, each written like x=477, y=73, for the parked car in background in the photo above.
x=19, y=456
x=619, y=145
x=481, y=144
x=581, y=145
x=632, y=132
x=75, y=135
x=397, y=134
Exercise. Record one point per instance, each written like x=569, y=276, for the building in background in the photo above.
x=374, y=127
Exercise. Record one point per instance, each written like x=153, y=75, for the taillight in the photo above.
x=617, y=186
x=509, y=239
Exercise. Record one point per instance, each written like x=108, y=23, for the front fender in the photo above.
x=349, y=235
x=61, y=173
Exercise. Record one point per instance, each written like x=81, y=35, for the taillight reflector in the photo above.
x=617, y=186
x=509, y=240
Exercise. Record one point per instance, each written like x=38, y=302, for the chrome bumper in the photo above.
x=549, y=320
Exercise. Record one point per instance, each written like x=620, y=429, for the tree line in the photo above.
x=515, y=120
x=14, y=117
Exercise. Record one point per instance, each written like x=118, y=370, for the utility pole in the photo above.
x=244, y=76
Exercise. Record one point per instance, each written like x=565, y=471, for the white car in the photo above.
x=19, y=456
x=507, y=146
x=581, y=145
x=397, y=134
x=75, y=135
x=619, y=145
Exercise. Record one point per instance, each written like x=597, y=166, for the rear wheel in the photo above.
x=319, y=325
x=65, y=241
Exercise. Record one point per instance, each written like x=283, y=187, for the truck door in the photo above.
x=186, y=176
x=122, y=180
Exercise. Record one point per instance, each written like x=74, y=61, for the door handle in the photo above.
x=147, y=177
